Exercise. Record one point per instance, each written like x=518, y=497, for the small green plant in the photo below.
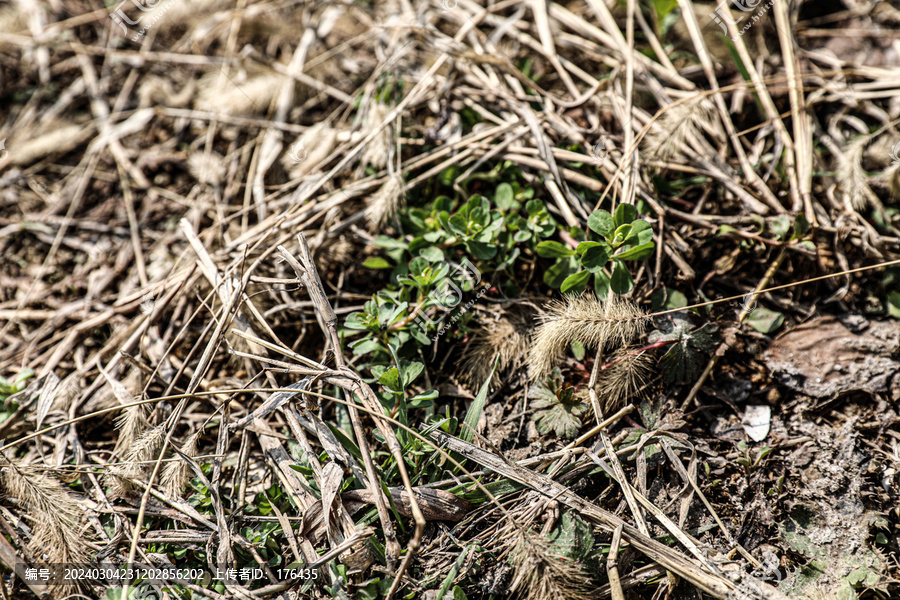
x=433, y=270
x=558, y=408
x=9, y=388
x=747, y=461
x=620, y=237
x=396, y=399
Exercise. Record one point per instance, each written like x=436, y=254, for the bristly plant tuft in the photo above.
x=595, y=323
x=623, y=377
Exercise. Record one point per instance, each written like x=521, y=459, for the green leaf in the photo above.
x=383, y=241
x=557, y=407
x=691, y=350
x=764, y=320
x=504, y=197
x=551, y=249
x=535, y=208
x=675, y=299
x=801, y=225
x=601, y=285
x=366, y=346
x=622, y=233
x=555, y=275
x=474, y=413
x=641, y=233
x=559, y=418
x=625, y=213
x=443, y=203
x=620, y=282
x=893, y=304
x=575, y=282
x=781, y=225
x=418, y=265
x=637, y=252
x=482, y=250
x=457, y=224
x=377, y=262
x=667, y=298
x=572, y=537
x=578, y=350
x=348, y=444
x=601, y=222
x=726, y=229
x=432, y=254
x=595, y=257
x=391, y=380
x=411, y=371
x=585, y=246
x=423, y=400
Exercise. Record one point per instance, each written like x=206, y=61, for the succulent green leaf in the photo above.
x=637, y=252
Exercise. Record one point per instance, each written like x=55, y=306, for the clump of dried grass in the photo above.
x=207, y=168
x=244, y=94
x=678, y=126
x=385, y=202
x=508, y=336
x=542, y=574
x=53, y=510
x=593, y=322
x=310, y=149
x=851, y=175
x=818, y=592
x=177, y=473
x=159, y=91
x=379, y=149
x=131, y=424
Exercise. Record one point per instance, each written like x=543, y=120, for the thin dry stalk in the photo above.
x=592, y=322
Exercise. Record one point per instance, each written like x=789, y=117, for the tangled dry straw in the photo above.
x=116, y=151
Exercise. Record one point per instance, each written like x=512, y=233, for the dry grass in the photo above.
x=146, y=187
x=542, y=574
x=508, y=336
x=58, y=530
